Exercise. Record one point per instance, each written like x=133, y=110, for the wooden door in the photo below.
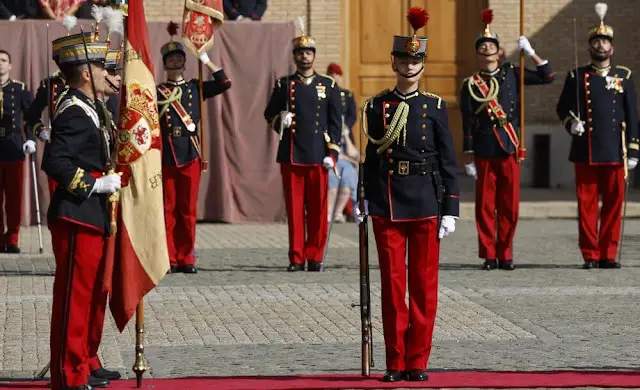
x=452, y=27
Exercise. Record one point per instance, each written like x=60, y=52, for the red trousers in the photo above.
x=591, y=181
x=305, y=189
x=497, y=198
x=11, y=182
x=180, y=186
x=79, y=302
x=408, y=332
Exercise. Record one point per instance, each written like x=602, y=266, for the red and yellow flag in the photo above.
x=200, y=20
x=141, y=258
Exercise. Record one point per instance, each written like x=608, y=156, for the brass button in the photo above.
x=587, y=83
x=423, y=138
x=588, y=92
x=589, y=101
x=386, y=105
x=590, y=120
x=293, y=131
x=316, y=131
x=391, y=171
x=614, y=100
x=317, y=123
x=589, y=110
x=424, y=115
x=293, y=98
x=424, y=126
x=293, y=106
x=424, y=106
x=293, y=123
x=391, y=160
x=386, y=115
x=317, y=114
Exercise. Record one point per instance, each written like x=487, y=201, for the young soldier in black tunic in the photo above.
x=411, y=191
x=603, y=123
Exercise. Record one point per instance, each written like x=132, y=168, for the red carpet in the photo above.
x=450, y=379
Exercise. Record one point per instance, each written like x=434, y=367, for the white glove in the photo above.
x=447, y=226
x=470, y=170
x=577, y=128
x=29, y=147
x=239, y=18
x=287, y=118
x=12, y=18
x=523, y=44
x=204, y=57
x=107, y=184
x=632, y=163
x=345, y=131
x=327, y=163
x=356, y=212
x=45, y=134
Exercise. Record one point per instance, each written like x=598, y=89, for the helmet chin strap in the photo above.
x=112, y=85
x=490, y=54
x=410, y=75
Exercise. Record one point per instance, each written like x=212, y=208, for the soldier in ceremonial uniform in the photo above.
x=411, y=193
x=79, y=219
x=602, y=121
x=113, y=80
x=305, y=109
x=489, y=104
x=349, y=154
x=15, y=101
x=179, y=109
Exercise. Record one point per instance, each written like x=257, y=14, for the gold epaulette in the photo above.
x=434, y=96
x=625, y=69
x=465, y=81
x=333, y=82
x=20, y=83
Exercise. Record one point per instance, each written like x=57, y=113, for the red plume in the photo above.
x=417, y=17
x=172, y=28
x=487, y=16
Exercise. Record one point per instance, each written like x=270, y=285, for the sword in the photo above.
x=282, y=128
x=50, y=103
x=575, y=48
x=326, y=245
x=623, y=137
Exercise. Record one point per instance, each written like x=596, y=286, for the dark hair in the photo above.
x=72, y=72
x=2, y=51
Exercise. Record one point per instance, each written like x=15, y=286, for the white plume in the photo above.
x=300, y=23
x=97, y=13
x=601, y=10
x=69, y=22
x=114, y=20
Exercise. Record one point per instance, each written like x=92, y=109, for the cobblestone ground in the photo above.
x=243, y=315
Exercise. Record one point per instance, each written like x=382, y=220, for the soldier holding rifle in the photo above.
x=411, y=190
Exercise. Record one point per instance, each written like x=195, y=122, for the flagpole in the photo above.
x=522, y=152
x=204, y=163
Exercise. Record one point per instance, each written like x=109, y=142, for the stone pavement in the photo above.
x=243, y=315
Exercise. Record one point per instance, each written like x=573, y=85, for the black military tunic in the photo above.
x=15, y=101
x=483, y=132
x=58, y=85
x=316, y=128
x=76, y=151
x=400, y=183
x=605, y=102
x=177, y=147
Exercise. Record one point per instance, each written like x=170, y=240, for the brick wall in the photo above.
x=549, y=26
x=322, y=18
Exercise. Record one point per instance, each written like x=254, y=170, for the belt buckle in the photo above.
x=403, y=168
x=503, y=121
x=177, y=131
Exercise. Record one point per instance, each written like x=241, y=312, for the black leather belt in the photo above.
x=406, y=168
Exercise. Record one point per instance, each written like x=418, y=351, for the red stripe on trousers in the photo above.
x=408, y=332
x=79, y=302
x=497, y=197
x=11, y=182
x=180, y=187
x=591, y=181
x=305, y=188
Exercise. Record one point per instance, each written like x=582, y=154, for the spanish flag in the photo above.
x=140, y=255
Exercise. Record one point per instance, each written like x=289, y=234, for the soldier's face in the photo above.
x=410, y=68
x=112, y=82
x=304, y=59
x=174, y=61
x=487, y=52
x=5, y=63
x=600, y=49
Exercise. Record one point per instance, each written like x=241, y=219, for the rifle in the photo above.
x=365, y=281
x=101, y=108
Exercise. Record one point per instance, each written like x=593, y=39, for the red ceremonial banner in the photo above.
x=200, y=20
